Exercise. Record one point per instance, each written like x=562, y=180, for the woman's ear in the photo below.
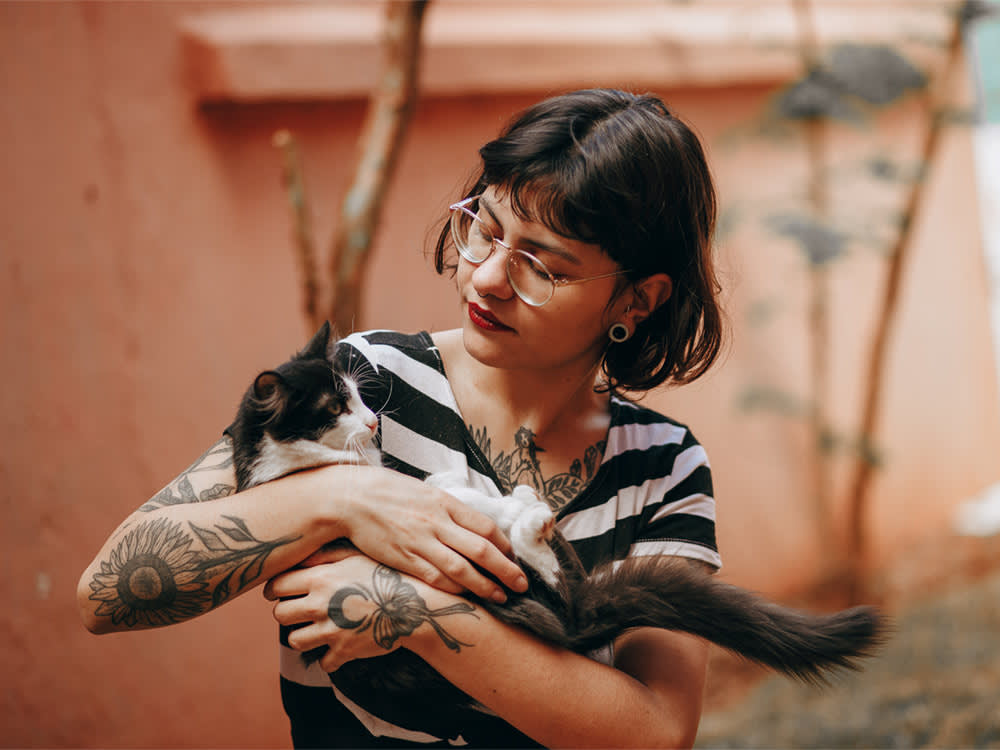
x=647, y=295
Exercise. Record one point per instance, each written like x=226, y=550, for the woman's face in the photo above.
x=501, y=330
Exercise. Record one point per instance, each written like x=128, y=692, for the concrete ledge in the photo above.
x=330, y=50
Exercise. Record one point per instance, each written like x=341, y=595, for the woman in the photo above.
x=584, y=269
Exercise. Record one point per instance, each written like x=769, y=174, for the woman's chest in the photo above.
x=558, y=468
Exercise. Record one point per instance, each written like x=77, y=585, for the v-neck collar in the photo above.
x=481, y=463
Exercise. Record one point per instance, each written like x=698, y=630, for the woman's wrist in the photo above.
x=447, y=621
x=331, y=493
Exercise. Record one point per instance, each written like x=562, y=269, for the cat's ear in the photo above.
x=322, y=344
x=267, y=387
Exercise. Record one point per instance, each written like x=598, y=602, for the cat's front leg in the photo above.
x=531, y=532
x=524, y=517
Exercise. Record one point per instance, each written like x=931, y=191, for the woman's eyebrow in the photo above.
x=486, y=203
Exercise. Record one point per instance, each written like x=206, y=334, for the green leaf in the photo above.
x=820, y=243
x=766, y=398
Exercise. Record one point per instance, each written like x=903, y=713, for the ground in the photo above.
x=936, y=684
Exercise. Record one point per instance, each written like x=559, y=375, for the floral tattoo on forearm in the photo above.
x=155, y=578
x=399, y=610
x=181, y=490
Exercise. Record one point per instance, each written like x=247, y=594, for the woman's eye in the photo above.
x=482, y=232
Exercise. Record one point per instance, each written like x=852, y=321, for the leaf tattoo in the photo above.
x=219, y=456
x=522, y=466
x=154, y=577
x=399, y=610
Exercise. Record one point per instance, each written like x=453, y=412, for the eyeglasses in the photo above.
x=528, y=276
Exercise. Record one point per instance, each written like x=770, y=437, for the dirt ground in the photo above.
x=936, y=684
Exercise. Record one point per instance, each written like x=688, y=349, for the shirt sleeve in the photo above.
x=679, y=514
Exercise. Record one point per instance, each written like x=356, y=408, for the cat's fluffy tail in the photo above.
x=670, y=593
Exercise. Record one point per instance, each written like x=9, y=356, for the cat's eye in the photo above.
x=336, y=408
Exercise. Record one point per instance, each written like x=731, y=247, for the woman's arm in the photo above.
x=651, y=698
x=198, y=543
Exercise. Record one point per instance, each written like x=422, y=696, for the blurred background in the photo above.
x=167, y=163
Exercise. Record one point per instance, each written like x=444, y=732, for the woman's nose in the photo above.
x=490, y=276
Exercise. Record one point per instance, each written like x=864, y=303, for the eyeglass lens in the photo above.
x=528, y=276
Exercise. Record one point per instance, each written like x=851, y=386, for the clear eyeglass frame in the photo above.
x=533, y=283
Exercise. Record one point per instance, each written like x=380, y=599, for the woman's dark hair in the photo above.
x=620, y=171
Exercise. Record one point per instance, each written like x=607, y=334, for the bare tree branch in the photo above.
x=390, y=109
x=935, y=100
x=305, y=250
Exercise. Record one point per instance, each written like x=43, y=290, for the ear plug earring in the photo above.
x=619, y=332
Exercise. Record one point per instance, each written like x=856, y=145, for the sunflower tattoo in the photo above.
x=155, y=578
x=399, y=610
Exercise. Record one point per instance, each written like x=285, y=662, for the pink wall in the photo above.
x=146, y=274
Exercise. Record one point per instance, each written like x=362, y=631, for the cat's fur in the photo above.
x=286, y=423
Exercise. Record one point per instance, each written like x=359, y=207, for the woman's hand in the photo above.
x=422, y=530
x=357, y=608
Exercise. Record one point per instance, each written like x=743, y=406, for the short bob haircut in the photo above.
x=620, y=171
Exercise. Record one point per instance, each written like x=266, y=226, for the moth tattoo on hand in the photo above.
x=399, y=610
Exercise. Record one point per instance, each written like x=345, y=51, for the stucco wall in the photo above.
x=146, y=275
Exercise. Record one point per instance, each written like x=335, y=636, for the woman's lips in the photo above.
x=485, y=319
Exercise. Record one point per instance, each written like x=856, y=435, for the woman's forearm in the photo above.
x=198, y=543
x=652, y=698
x=563, y=699
x=172, y=561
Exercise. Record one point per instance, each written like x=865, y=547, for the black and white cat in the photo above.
x=304, y=414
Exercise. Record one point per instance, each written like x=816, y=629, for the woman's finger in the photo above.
x=426, y=571
x=330, y=662
x=308, y=638
x=290, y=583
x=473, y=548
x=479, y=524
x=292, y=611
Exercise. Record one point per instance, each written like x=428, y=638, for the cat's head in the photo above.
x=307, y=398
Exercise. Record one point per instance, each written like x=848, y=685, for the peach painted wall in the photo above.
x=146, y=275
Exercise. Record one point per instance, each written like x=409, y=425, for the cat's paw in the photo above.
x=525, y=496
x=530, y=535
x=540, y=521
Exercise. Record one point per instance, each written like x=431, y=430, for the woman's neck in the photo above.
x=544, y=400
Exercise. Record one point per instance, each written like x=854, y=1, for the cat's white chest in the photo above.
x=277, y=458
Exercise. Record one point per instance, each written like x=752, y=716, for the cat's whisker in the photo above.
x=387, y=397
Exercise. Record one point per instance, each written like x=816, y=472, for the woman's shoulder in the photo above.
x=389, y=338
x=628, y=415
x=639, y=430
x=383, y=347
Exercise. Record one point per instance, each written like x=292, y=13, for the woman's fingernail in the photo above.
x=522, y=583
x=498, y=596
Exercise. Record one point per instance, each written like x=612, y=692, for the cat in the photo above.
x=304, y=414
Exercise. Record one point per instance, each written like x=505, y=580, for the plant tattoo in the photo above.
x=154, y=578
x=521, y=466
x=399, y=610
x=219, y=456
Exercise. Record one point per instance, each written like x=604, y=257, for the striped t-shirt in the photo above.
x=651, y=495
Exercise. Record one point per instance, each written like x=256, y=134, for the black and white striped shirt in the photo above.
x=650, y=495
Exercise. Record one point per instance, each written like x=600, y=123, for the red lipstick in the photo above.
x=485, y=319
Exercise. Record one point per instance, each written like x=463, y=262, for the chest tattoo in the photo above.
x=521, y=466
